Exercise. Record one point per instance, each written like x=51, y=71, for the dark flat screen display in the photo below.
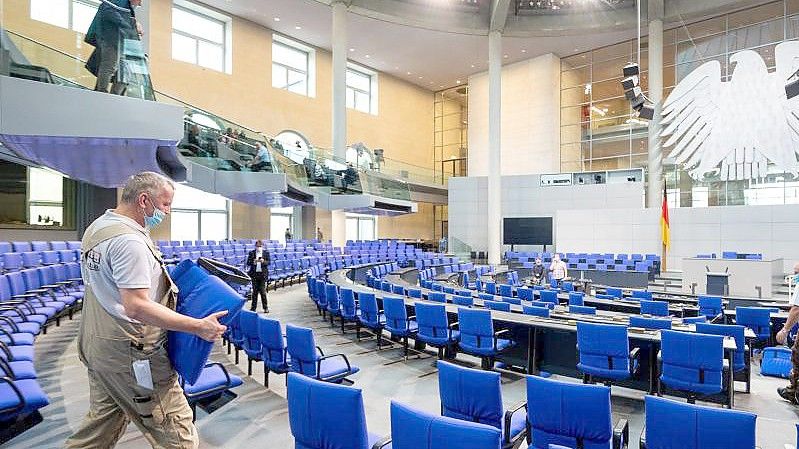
x=528, y=231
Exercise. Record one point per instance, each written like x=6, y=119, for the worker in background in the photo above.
x=789, y=392
x=113, y=31
x=558, y=269
x=538, y=272
x=128, y=307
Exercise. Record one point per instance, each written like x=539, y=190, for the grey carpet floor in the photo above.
x=258, y=417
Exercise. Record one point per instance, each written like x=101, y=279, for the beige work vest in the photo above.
x=107, y=343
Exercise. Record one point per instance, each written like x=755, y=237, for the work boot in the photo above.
x=787, y=394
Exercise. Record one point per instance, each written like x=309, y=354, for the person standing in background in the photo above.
x=113, y=25
x=538, y=272
x=319, y=235
x=257, y=268
x=558, y=269
x=288, y=235
x=789, y=392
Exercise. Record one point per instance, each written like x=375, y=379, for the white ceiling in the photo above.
x=434, y=59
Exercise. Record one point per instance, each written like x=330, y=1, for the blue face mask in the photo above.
x=796, y=278
x=152, y=221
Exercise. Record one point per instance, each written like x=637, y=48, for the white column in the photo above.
x=494, y=147
x=338, y=223
x=655, y=153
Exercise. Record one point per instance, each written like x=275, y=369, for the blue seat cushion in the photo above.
x=604, y=373
x=34, y=318
x=687, y=379
x=19, y=353
x=440, y=341
x=412, y=327
x=28, y=328
x=381, y=318
x=22, y=369
x=31, y=391
x=518, y=423
x=211, y=377
x=20, y=339
x=335, y=366
x=502, y=344
x=776, y=362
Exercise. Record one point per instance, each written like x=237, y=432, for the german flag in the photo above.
x=664, y=222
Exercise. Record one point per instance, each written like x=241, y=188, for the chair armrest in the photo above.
x=454, y=325
x=9, y=335
x=621, y=434
x=500, y=333
x=38, y=290
x=319, y=364
x=383, y=442
x=10, y=322
x=509, y=417
x=212, y=390
x=79, y=279
x=318, y=349
x=6, y=351
x=21, y=404
x=25, y=295
x=50, y=286
x=5, y=370
x=14, y=309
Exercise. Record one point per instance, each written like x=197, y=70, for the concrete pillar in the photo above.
x=494, y=147
x=339, y=137
x=655, y=153
x=308, y=219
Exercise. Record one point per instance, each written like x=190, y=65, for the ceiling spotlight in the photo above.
x=367, y=56
x=457, y=81
x=524, y=51
x=276, y=19
x=297, y=27
x=352, y=49
x=408, y=73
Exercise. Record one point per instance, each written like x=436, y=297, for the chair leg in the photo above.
x=358, y=331
x=379, y=339
x=266, y=376
x=342, y=325
x=441, y=353
x=405, y=347
x=249, y=366
x=237, y=356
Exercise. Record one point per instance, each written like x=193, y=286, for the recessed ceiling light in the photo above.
x=524, y=51
x=472, y=65
x=352, y=49
x=409, y=73
x=367, y=56
x=276, y=19
x=505, y=56
x=420, y=77
x=297, y=27
x=458, y=81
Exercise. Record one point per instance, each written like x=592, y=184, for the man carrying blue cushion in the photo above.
x=789, y=392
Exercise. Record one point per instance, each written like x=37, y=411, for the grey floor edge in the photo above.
x=258, y=418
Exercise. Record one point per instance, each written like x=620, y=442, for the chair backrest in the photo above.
x=657, y=308
x=331, y=295
x=476, y=327
x=650, y=323
x=396, y=314
x=524, y=293
x=498, y=305
x=696, y=426
x=347, y=299
x=509, y=300
x=536, y=311
x=642, y=294
x=432, y=320
x=576, y=299
x=302, y=349
x=413, y=429
x=437, y=296
x=368, y=305
x=505, y=290
x=398, y=289
x=550, y=296
x=568, y=414
x=248, y=322
x=324, y=415
x=710, y=306
x=694, y=319
x=728, y=330
x=437, y=287
x=582, y=310
x=491, y=287
x=415, y=293
x=756, y=318
x=273, y=346
x=615, y=292
x=692, y=361
x=470, y=394
x=603, y=347
x=463, y=301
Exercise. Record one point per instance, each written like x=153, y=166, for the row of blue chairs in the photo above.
x=37, y=246
x=557, y=415
x=15, y=261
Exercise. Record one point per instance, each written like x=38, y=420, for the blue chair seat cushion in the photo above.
x=604, y=373
x=22, y=369
x=351, y=317
x=31, y=391
x=28, y=328
x=34, y=318
x=440, y=341
x=518, y=423
x=413, y=327
x=502, y=344
x=20, y=339
x=381, y=321
x=713, y=383
x=211, y=377
x=335, y=366
x=19, y=353
x=776, y=362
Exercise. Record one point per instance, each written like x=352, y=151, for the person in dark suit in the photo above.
x=257, y=262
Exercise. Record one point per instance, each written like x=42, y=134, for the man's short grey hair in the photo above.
x=145, y=182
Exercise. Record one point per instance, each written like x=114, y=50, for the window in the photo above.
x=76, y=15
x=198, y=215
x=32, y=197
x=360, y=227
x=293, y=66
x=201, y=36
x=362, y=89
x=282, y=218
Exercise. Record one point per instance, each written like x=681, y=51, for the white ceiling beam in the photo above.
x=499, y=15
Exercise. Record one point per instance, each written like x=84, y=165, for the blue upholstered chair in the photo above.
x=642, y=294
x=656, y=308
x=273, y=348
x=615, y=292
x=333, y=301
x=478, y=337
x=506, y=290
x=740, y=361
x=434, y=327
x=436, y=287
x=691, y=363
x=572, y=415
x=550, y=296
x=671, y=424
x=756, y=318
x=413, y=429
x=398, y=290
x=309, y=360
x=415, y=293
x=536, y=311
x=213, y=382
x=491, y=288
x=576, y=299
x=463, y=301
x=567, y=286
x=476, y=396
x=605, y=354
x=371, y=317
x=497, y=305
x=437, y=297
x=321, y=300
x=524, y=293
x=323, y=415
x=248, y=321
x=349, y=309
x=582, y=310
x=650, y=323
x=398, y=323
x=710, y=306
x=694, y=320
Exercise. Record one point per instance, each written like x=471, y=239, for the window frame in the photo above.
x=358, y=219
x=373, y=88
x=70, y=25
x=310, y=64
x=211, y=15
